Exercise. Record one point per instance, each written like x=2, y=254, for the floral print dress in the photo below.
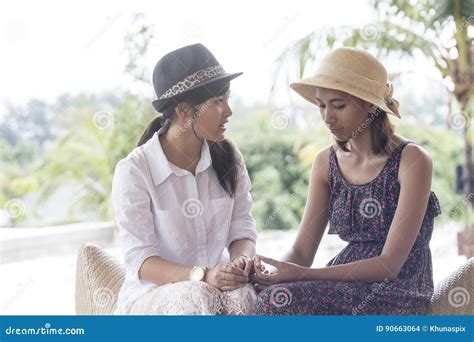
x=361, y=215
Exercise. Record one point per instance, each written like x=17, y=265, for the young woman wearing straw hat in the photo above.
x=374, y=188
x=182, y=199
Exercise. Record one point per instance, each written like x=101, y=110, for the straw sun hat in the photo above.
x=353, y=71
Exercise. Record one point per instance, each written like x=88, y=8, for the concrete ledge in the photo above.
x=18, y=244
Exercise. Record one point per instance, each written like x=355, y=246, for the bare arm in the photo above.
x=159, y=271
x=415, y=187
x=242, y=247
x=315, y=217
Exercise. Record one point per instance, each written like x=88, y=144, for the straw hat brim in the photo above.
x=306, y=88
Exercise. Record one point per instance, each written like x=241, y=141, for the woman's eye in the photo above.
x=339, y=107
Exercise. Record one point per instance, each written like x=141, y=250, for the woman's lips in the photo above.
x=222, y=126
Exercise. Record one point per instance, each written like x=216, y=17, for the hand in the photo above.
x=244, y=263
x=285, y=272
x=258, y=264
x=226, y=277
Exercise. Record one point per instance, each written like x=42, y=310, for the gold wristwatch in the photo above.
x=198, y=273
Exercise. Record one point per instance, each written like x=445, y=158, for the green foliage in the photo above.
x=86, y=155
x=276, y=167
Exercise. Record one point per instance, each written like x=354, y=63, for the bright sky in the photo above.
x=52, y=47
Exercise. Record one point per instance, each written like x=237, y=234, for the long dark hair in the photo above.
x=223, y=153
x=381, y=133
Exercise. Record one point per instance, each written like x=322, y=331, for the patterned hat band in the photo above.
x=192, y=80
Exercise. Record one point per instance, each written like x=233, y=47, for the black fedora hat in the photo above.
x=188, y=68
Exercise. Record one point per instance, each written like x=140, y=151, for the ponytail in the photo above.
x=151, y=129
x=155, y=125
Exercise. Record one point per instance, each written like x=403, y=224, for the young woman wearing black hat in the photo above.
x=182, y=199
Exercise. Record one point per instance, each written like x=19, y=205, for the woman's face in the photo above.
x=211, y=118
x=341, y=112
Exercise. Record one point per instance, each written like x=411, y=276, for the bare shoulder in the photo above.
x=415, y=162
x=320, y=168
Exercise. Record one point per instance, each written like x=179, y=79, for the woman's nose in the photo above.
x=328, y=117
x=228, y=110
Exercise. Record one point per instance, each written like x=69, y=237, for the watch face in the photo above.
x=197, y=274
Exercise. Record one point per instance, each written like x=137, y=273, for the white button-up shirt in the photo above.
x=165, y=211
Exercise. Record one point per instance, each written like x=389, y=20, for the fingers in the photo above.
x=265, y=277
x=229, y=268
x=258, y=265
x=241, y=264
x=235, y=278
x=248, y=266
x=268, y=260
x=231, y=276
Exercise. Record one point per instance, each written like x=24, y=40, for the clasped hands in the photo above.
x=242, y=270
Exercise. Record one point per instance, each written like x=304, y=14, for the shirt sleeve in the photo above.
x=242, y=225
x=132, y=205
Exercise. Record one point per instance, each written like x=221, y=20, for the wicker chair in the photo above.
x=100, y=275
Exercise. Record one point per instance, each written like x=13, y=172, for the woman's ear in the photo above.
x=372, y=108
x=183, y=110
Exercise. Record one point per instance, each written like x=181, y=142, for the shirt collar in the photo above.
x=161, y=168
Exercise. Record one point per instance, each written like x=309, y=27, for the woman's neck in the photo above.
x=181, y=148
x=361, y=146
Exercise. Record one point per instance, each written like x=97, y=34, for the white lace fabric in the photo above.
x=194, y=298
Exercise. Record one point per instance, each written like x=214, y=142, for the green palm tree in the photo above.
x=440, y=29
x=85, y=157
